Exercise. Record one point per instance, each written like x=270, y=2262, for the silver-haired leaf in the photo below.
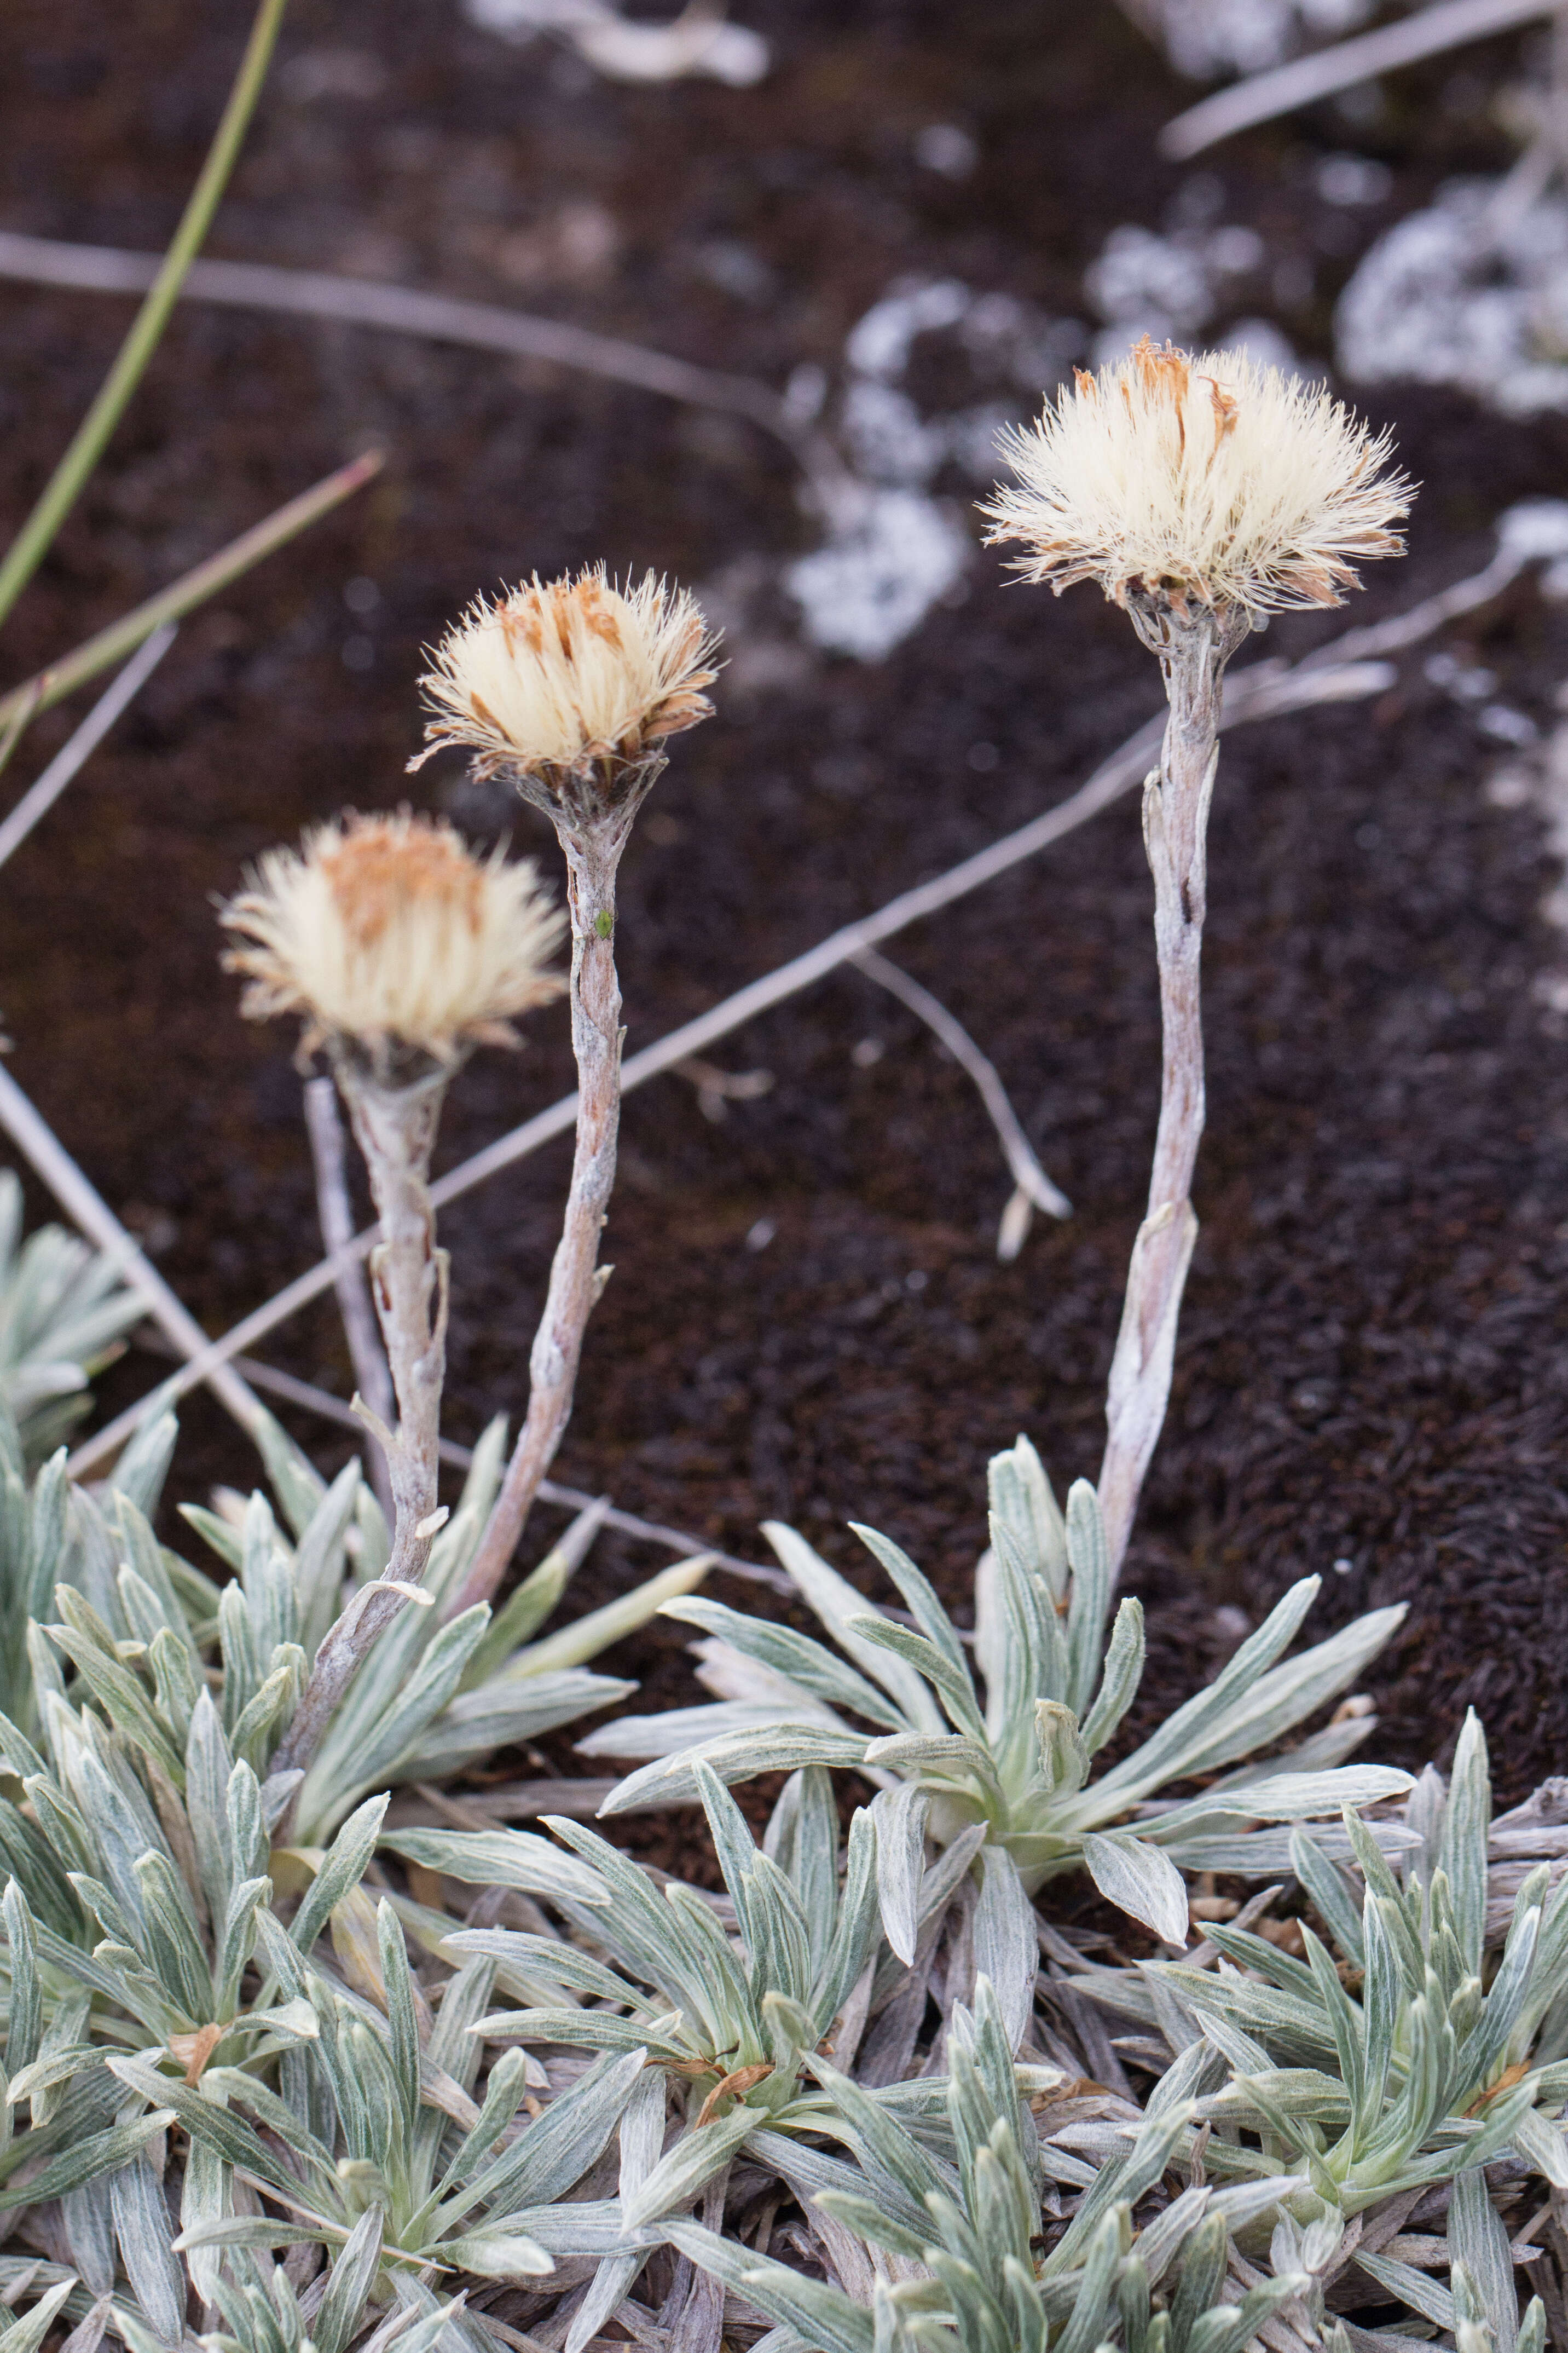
x=1006, y=1949
x=898, y=1818
x=143, y=2227
x=1138, y=1879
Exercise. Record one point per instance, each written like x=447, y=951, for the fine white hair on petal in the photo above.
x=389, y=928
x=1211, y=478
x=555, y=672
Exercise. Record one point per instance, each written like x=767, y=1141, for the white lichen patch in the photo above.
x=1462, y=294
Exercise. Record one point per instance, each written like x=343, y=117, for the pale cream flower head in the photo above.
x=1209, y=481
x=571, y=685
x=394, y=941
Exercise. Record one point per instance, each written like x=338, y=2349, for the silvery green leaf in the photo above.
x=823, y=2317
x=341, y=2308
x=206, y=2201
x=1282, y=1797
x=270, y=1706
x=598, y=1629
x=236, y=1942
x=1544, y=2145
x=812, y=2174
x=802, y=1838
x=899, y=1819
x=88, y=2214
x=1091, y=1596
x=1295, y=1689
x=1422, y=2293
x=559, y=2147
x=669, y=1781
x=835, y=1602
x=341, y=1868
x=235, y=2140
x=402, y=2024
x=526, y=1961
x=796, y=1658
x=143, y=1464
x=1140, y=1879
x=1330, y=1891
x=920, y=1597
x=100, y=2152
x=1478, y=2240
x=694, y=1727
x=1063, y=1757
x=215, y=1531
x=318, y=1558
x=145, y=1561
x=62, y=2064
x=1467, y=1820
x=1123, y=1671
x=294, y=1479
x=27, y=2335
x=172, y=1944
x=1266, y=1854
x=257, y=2231
x=505, y=1710
x=866, y=2219
x=498, y=2255
x=89, y=1645
x=1020, y=1497
x=949, y=1758
x=686, y=2167
x=25, y=2012
x=208, y=1765
x=175, y=1679
x=641, y=2133
x=879, y=2138
x=951, y=1683
x=241, y=1654
x=424, y=1695
x=854, y=1928
x=1121, y=2179
x=1006, y=1950
x=141, y=2227
x=1203, y=1722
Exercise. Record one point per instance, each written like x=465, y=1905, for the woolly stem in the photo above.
x=593, y=854
x=396, y=1130
x=335, y=1211
x=1193, y=651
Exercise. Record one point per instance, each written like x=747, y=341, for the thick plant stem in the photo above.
x=395, y=1129
x=1192, y=652
x=592, y=855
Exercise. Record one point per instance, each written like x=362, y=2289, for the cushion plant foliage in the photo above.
x=1060, y=1675
x=280, y=2072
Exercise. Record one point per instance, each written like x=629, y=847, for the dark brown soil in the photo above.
x=1371, y=1373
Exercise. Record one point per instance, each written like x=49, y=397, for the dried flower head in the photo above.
x=570, y=675
x=387, y=932
x=1211, y=481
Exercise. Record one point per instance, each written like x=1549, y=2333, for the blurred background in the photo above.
x=905, y=222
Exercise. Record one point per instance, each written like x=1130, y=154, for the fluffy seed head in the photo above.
x=1211, y=481
x=557, y=675
x=387, y=933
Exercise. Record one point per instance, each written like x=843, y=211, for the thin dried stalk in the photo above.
x=371, y=1376
x=1263, y=691
x=1192, y=652
x=396, y=1130
x=592, y=855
